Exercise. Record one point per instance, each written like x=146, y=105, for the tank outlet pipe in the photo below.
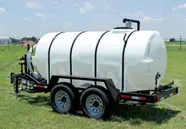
x=28, y=60
x=157, y=77
x=125, y=20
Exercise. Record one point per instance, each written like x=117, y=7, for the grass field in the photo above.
x=175, y=43
x=33, y=111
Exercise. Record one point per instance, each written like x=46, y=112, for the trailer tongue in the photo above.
x=98, y=92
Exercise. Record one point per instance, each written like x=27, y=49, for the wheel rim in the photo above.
x=62, y=100
x=95, y=105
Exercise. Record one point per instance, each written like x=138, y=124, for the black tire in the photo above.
x=69, y=98
x=101, y=96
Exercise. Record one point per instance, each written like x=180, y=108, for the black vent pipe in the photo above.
x=134, y=21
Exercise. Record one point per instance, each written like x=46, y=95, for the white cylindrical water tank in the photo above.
x=130, y=58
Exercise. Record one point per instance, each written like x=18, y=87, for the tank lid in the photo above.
x=121, y=30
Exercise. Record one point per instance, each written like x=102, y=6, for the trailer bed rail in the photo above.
x=153, y=98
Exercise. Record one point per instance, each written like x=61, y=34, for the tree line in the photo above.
x=34, y=39
x=177, y=40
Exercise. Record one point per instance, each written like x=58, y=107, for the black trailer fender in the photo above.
x=111, y=89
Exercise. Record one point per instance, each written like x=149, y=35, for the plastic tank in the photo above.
x=144, y=56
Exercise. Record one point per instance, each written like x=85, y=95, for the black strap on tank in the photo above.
x=49, y=49
x=71, y=53
x=95, y=56
x=123, y=56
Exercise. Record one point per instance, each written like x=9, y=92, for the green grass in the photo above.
x=31, y=111
x=175, y=43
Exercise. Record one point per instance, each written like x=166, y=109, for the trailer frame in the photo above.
x=158, y=94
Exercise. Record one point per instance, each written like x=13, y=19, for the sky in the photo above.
x=19, y=18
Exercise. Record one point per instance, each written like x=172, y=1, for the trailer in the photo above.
x=95, y=71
